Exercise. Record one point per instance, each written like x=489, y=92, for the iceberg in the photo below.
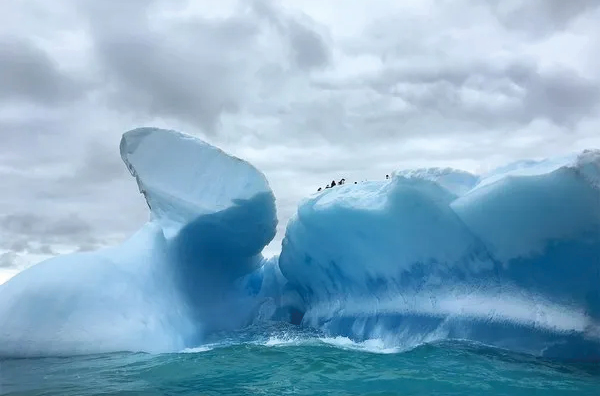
x=510, y=259
x=211, y=214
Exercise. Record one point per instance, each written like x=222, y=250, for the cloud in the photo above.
x=29, y=74
x=45, y=229
x=540, y=16
x=7, y=259
x=309, y=48
x=491, y=95
x=196, y=68
x=308, y=91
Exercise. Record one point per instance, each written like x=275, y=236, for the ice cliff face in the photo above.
x=379, y=237
x=510, y=258
x=542, y=223
x=184, y=178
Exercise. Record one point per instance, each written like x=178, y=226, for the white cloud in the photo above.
x=308, y=91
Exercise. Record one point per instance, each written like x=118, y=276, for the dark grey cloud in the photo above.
x=562, y=96
x=27, y=73
x=309, y=47
x=491, y=95
x=540, y=17
x=101, y=164
x=33, y=225
x=150, y=73
x=308, y=91
x=197, y=69
x=28, y=233
x=20, y=246
x=33, y=130
x=8, y=259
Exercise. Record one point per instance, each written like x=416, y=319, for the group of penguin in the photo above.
x=342, y=181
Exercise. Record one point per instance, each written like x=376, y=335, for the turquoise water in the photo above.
x=296, y=363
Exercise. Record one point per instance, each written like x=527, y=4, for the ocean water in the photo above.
x=292, y=361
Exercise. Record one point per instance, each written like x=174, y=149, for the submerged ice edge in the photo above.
x=530, y=311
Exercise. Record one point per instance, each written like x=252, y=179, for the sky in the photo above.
x=306, y=90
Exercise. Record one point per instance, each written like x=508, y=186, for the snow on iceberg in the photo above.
x=211, y=215
x=456, y=181
x=510, y=259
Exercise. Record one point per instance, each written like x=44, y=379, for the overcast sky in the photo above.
x=306, y=90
